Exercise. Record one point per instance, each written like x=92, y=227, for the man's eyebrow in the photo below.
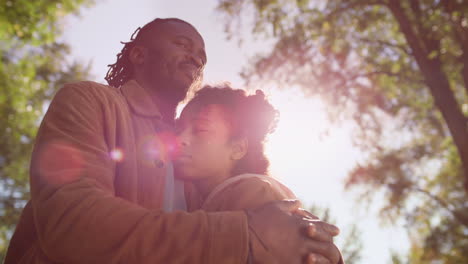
x=184, y=37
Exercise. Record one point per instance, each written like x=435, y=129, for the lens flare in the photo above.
x=116, y=155
x=59, y=163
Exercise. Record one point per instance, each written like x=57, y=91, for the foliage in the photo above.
x=33, y=65
x=399, y=69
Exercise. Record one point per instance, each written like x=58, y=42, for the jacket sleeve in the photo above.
x=251, y=193
x=80, y=220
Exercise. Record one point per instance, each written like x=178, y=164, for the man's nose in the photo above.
x=198, y=62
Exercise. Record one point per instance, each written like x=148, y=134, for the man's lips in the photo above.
x=190, y=69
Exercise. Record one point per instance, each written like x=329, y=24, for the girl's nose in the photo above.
x=182, y=139
x=181, y=142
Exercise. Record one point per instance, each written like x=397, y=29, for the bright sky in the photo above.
x=312, y=166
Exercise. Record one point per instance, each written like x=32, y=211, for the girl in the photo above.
x=220, y=150
x=220, y=137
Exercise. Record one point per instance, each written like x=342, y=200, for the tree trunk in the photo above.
x=438, y=84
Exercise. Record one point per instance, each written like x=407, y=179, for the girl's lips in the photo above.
x=183, y=158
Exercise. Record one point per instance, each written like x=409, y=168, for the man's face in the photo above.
x=175, y=60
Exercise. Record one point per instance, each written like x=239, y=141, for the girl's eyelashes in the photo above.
x=199, y=130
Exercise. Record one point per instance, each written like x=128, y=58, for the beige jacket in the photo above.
x=92, y=205
x=246, y=191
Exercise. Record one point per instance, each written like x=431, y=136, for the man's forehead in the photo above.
x=182, y=29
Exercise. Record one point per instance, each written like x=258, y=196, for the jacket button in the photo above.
x=159, y=163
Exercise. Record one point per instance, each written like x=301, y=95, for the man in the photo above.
x=102, y=189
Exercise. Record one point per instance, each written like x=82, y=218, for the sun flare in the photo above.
x=306, y=147
x=297, y=139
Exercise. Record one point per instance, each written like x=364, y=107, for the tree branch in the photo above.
x=416, y=8
x=461, y=35
x=438, y=83
x=354, y=5
x=386, y=44
x=369, y=74
x=461, y=218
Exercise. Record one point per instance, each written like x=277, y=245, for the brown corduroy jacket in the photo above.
x=97, y=186
x=246, y=191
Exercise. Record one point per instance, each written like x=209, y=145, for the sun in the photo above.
x=299, y=153
x=301, y=125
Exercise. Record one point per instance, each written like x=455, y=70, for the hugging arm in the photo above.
x=80, y=220
x=280, y=232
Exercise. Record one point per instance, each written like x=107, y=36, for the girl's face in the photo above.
x=204, y=146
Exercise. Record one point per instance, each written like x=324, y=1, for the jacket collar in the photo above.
x=140, y=100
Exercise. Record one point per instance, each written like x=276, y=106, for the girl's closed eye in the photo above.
x=178, y=128
x=200, y=130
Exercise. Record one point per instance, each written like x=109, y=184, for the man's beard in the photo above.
x=194, y=87
x=175, y=92
x=171, y=89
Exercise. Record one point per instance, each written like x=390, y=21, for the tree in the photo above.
x=33, y=66
x=399, y=69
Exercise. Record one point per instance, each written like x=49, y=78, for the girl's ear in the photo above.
x=239, y=148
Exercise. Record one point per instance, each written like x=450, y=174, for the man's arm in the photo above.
x=286, y=245
x=78, y=218
x=250, y=194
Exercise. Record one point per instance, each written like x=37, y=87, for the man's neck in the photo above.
x=166, y=109
x=166, y=106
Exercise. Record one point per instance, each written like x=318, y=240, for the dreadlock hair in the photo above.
x=122, y=70
x=250, y=116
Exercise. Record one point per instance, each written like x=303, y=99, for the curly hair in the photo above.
x=250, y=116
x=122, y=70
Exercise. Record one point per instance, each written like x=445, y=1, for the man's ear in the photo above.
x=239, y=148
x=137, y=55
